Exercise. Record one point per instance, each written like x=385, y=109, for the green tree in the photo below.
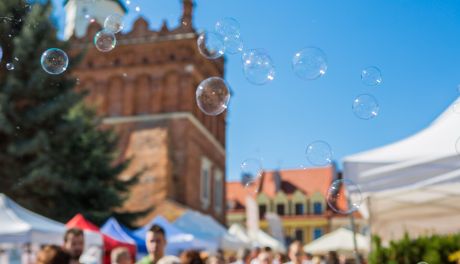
x=434, y=249
x=54, y=158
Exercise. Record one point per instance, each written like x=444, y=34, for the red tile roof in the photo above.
x=308, y=181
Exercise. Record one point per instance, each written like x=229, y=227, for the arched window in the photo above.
x=317, y=208
x=280, y=209
x=205, y=182
x=299, y=209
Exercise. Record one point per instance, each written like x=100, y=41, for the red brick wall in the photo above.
x=150, y=74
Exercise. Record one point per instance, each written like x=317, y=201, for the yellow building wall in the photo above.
x=281, y=198
x=307, y=224
x=317, y=197
x=299, y=197
x=236, y=218
x=262, y=198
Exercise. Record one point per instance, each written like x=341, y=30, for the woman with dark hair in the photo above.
x=52, y=254
x=332, y=258
x=190, y=257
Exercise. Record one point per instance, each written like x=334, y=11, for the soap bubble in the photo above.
x=252, y=186
x=258, y=66
x=105, y=41
x=309, y=63
x=228, y=27
x=213, y=96
x=319, y=153
x=233, y=45
x=251, y=172
x=10, y=66
x=251, y=168
x=365, y=106
x=54, y=61
x=371, y=76
x=344, y=196
x=114, y=23
x=211, y=45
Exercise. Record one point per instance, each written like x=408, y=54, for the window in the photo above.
x=317, y=232
x=262, y=211
x=317, y=208
x=205, y=182
x=218, y=190
x=280, y=209
x=299, y=235
x=299, y=209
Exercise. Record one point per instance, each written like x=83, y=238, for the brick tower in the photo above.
x=145, y=89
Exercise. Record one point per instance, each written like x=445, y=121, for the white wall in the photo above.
x=76, y=10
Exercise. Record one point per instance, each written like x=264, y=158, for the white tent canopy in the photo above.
x=262, y=239
x=19, y=225
x=341, y=240
x=429, y=152
x=418, y=210
x=206, y=228
x=409, y=183
x=178, y=240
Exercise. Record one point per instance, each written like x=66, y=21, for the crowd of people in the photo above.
x=73, y=247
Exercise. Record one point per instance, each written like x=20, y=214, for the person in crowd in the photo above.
x=319, y=260
x=243, y=256
x=296, y=254
x=217, y=258
x=254, y=254
x=120, y=255
x=308, y=259
x=74, y=243
x=265, y=257
x=191, y=257
x=332, y=258
x=232, y=258
x=279, y=258
x=169, y=260
x=155, y=240
x=53, y=254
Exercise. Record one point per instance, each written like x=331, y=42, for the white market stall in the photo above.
x=20, y=226
x=262, y=239
x=206, y=228
x=413, y=184
x=22, y=231
x=340, y=240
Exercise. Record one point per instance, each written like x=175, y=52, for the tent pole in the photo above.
x=353, y=228
x=369, y=222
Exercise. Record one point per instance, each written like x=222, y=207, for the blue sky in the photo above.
x=416, y=44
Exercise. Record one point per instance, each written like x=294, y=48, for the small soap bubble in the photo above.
x=105, y=41
x=10, y=66
x=54, y=61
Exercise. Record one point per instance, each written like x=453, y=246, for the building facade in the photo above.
x=145, y=90
x=298, y=197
